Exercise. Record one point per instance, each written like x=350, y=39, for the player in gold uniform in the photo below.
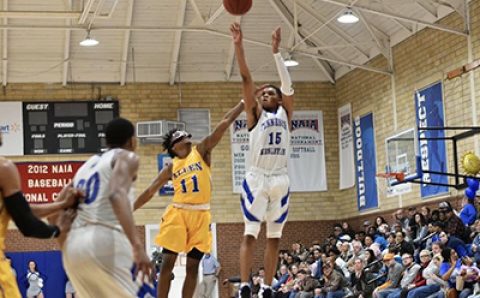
x=185, y=225
x=13, y=205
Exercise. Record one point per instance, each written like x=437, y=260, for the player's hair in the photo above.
x=167, y=142
x=118, y=132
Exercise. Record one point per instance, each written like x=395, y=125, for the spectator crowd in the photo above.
x=419, y=254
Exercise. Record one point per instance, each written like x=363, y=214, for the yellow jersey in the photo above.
x=4, y=219
x=191, y=179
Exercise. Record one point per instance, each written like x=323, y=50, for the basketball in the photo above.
x=237, y=7
x=471, y=163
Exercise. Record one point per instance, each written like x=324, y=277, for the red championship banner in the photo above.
x=42, y=181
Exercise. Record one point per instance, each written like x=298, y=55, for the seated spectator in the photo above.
x=434, y=216
x=410, y=271
x=347, y=230
x=430, y=274
x=476, y=244
x=468, y=214
x=357, y=252
x=359, y=280
x=379, y=220
x=282, y=278
x=447, y=269
x=372, y=264
x=405, y=246
x=333, y=283
x=345, y=253
x=425, y=211
x=419, y=231
x=470, y=275
x=453, y=224
x=437, y=248
x=454, y=243
x=393, y=277
x=306, y=285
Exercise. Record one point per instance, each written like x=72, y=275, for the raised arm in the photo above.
x=208, y=143
x=159, y=181
x=286, y=87
x=251, y=107
x=124, y=171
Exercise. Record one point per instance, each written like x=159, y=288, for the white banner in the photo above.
x=11, y=127
x=345, y=141
x=306, y=165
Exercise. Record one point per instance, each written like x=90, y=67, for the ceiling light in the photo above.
x=89, y=41
x=347, y=17
x=290, y=62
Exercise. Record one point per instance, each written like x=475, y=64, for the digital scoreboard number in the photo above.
x=66, y=127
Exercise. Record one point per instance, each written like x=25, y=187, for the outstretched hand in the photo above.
x=236, y=33
x=276, y=39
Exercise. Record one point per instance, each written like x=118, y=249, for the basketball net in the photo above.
x=384, y=180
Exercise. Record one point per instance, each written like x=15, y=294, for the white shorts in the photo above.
x=265, y=197
x=98, y=261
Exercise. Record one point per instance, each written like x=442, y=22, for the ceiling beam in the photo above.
x=126, y=43
x=5, y=47
x=381, y=39
x=231, y=55
x=457, y=5
x=217, y=13
x=197, y=10
x=428, y=7
x=86, y=11
x=288, y=19
x=66, y=47
x=337, y=31
x=399, y=17
x=177, y=41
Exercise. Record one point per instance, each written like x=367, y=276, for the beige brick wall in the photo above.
x=419, y=60
x=161, y=101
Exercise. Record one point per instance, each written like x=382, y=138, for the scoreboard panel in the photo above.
x=66, y=127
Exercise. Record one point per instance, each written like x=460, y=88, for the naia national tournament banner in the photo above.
x=306, y=163
x=365, y=161
x=429, y=113
x=42, y=181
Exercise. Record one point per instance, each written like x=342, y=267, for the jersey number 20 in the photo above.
x=91, y=187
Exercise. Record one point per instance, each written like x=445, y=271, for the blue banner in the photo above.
x=365, y=162
x=429, y=113
x=163, y=161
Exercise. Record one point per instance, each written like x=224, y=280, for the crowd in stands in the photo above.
x=420, y=253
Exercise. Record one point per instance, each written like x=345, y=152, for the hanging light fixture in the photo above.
x=89, y=41
x=348, y=17
x=290, y=61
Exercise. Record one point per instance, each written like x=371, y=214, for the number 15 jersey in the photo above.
x=269, y=141
x=191, y=179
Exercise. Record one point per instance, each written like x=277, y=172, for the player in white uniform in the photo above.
x=265, y=193
x=103, y=244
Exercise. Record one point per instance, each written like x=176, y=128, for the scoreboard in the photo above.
x=66, y=127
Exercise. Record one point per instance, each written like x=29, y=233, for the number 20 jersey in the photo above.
x=269, y=141
x=93, y=178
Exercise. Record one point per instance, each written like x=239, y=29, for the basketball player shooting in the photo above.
x=185, y=225
x=265, y=192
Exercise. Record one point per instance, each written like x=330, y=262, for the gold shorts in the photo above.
x=181, y=230
x=8, y=283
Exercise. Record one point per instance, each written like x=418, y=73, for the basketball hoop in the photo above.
x=399, y=176
x=384, y=182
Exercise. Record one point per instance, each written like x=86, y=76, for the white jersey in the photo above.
x=93, y=178
x=269, y=142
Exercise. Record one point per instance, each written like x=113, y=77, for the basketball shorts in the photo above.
x=98, y=261
x=8, y=283
x=265, y=197
x=181, y=230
